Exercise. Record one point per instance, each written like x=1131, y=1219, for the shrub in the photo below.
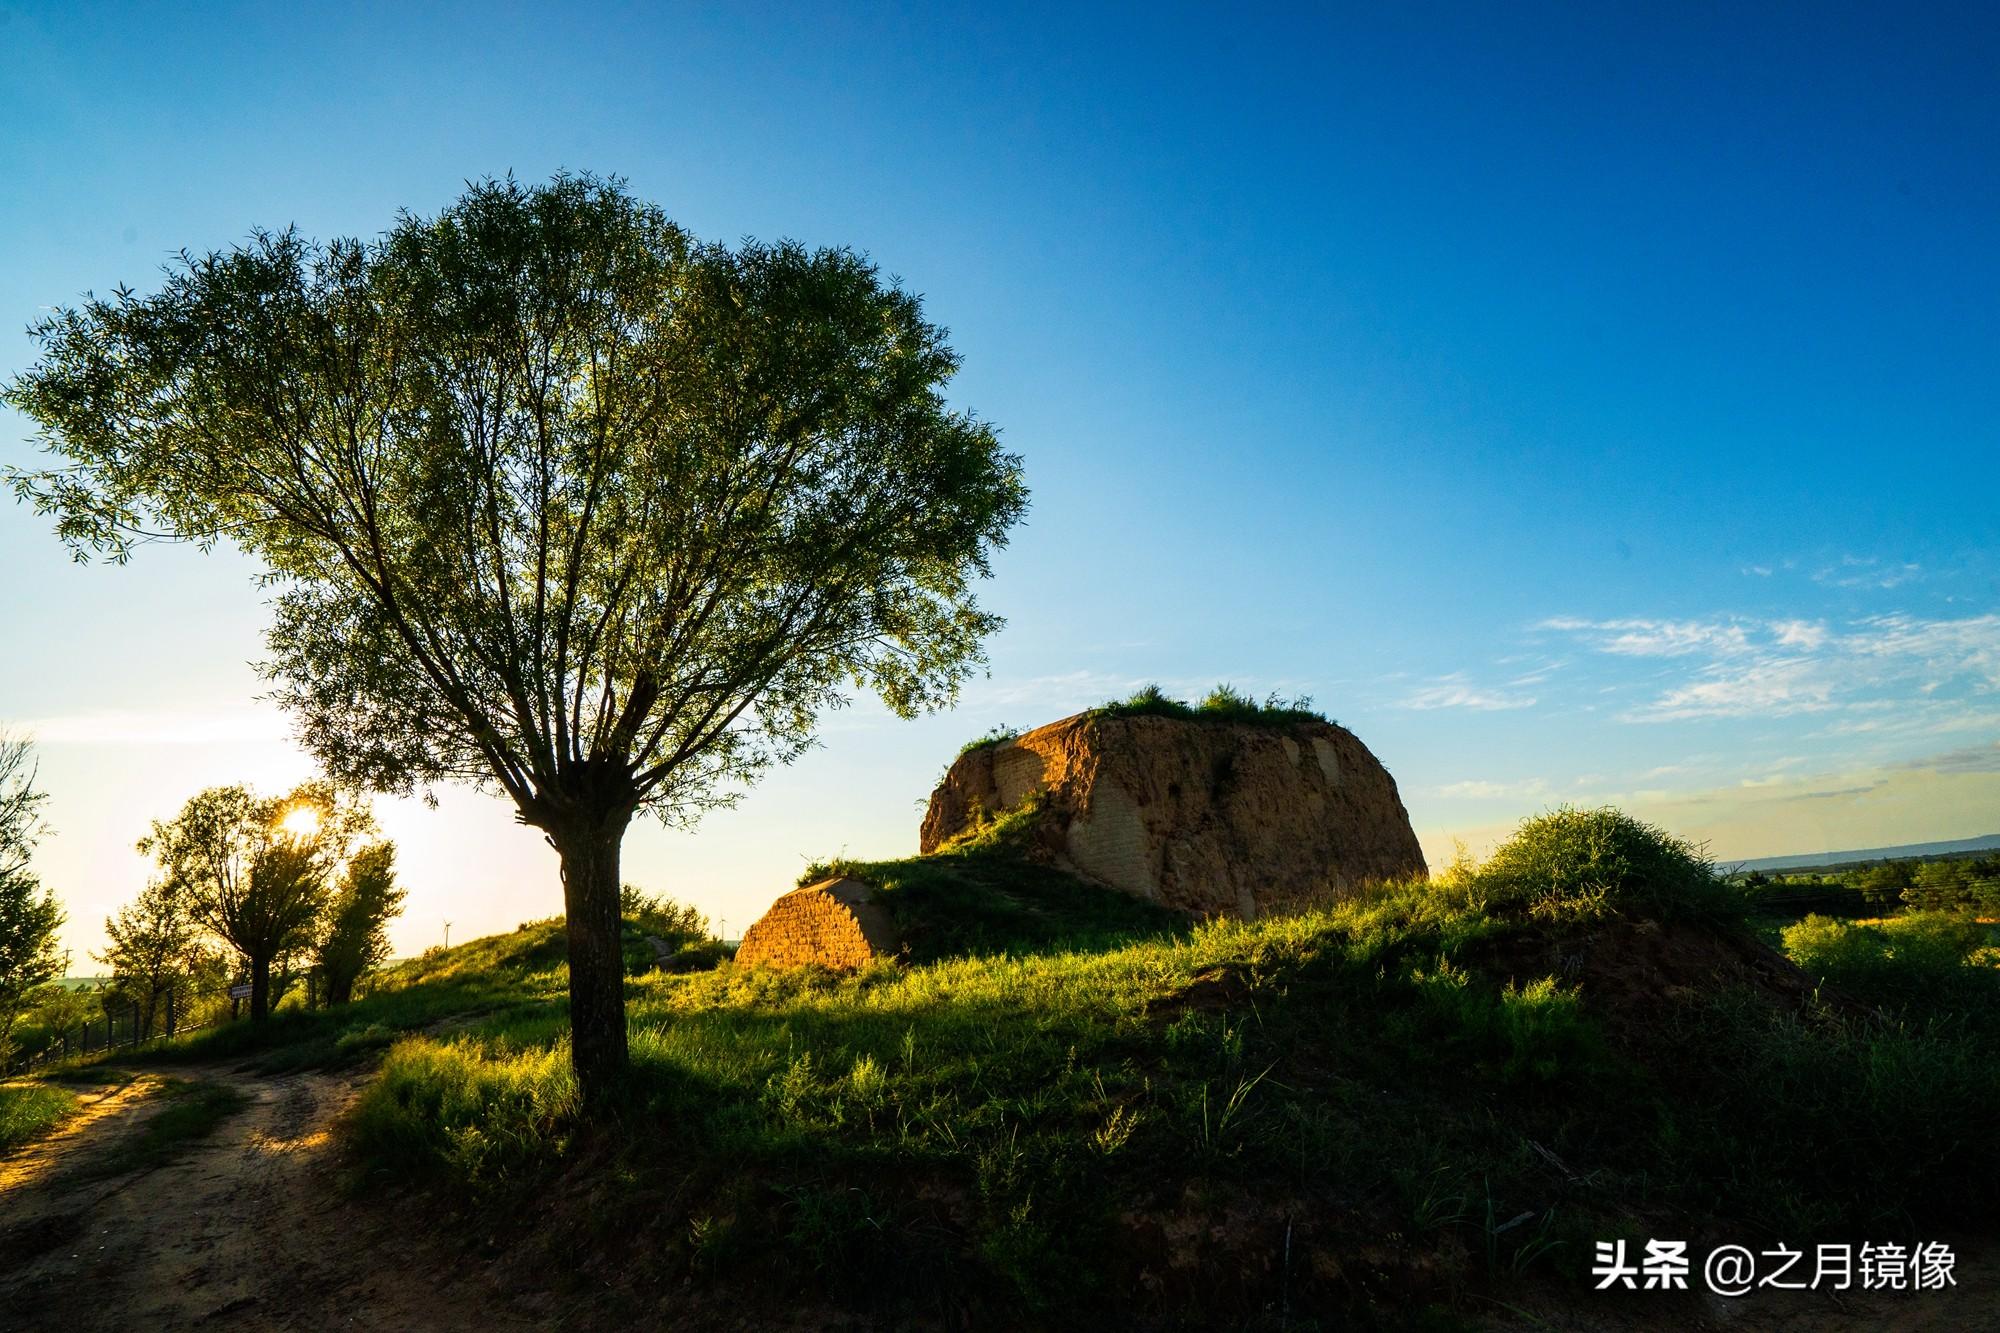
x=1920, y=958
x=1588, y=864
x=656, y=914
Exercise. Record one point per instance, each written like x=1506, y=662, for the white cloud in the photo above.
x=1867, y=572
x=1776, y=687
x=1656, y=638
x=1454, y=691
x=191, y=726
x=1477, y=789
x=1806, y=634
x=1743, y=668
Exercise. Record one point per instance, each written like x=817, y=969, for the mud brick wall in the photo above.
x=834, y=924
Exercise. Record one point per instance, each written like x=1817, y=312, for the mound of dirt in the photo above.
x=1632, y=971
x=1210, y=818
x=835, y=923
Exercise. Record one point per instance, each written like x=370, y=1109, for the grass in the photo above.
x=1067, y=1108
x=983, y=894
x=1224, y=703
x=1022, y=1133
x=30, y=1110
x=998, y=736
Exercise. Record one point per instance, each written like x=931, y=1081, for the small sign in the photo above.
x=240, y=992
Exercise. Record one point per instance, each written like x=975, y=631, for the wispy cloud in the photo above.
x=1771, y=687
x=1867, y=572
x=1655, y=638
x=1973, y=759
x=1477, y=789
x=1454, y=691
x=1739, y=667
x=192, y=726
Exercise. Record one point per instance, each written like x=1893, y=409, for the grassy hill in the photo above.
x=1420, y=1106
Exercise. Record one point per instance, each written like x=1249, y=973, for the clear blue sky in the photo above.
x=1581, y=405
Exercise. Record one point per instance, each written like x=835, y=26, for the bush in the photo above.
x=1589, y=864
x=1920, y=958
x=656, y=914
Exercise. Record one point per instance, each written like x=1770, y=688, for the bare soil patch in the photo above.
x=247, y=1228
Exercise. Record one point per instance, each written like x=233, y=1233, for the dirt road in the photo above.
x=246, y=1229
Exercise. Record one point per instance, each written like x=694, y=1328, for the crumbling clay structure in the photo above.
x=835, y=923
x=1207, y=817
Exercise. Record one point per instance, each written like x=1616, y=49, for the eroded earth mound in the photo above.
x=1209, y=817
x=835, y=924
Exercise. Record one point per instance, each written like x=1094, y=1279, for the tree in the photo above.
x=30, y=953
x=1938, y=885
x=1883, y=884
x=256, y=871
x=356, y=939
x=155, y=944
x=559, y=501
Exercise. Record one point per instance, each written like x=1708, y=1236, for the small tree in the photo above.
x=356, y=939
x=155, y=943
x=558, y=501
x=1938, y=885
x=30, y=918
x=256, y=871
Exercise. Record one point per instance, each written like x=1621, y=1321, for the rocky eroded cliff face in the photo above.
x=1211, y=818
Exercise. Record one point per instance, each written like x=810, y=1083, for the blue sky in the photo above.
x=1580, y=404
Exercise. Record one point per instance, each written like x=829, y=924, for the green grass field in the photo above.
x=1066, y=1109
x=29, y=1110
x=1036, y=1132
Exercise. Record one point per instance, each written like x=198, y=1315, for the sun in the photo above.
x=301, y=821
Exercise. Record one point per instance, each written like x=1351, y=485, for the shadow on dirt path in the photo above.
x=244, y=1229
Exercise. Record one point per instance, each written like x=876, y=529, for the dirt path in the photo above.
x=245, y=1230
x=107, y=1114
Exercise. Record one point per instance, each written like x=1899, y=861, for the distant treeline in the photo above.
x=1965, y=883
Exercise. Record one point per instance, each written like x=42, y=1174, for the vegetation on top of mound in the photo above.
x=1224, y=703
x=1583, y=865
x=1000, y=735
x=981, y=893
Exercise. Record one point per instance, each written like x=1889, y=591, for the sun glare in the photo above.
x=301, y=821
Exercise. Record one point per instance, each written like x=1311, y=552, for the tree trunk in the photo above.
x=596, y=959
x=260, y=989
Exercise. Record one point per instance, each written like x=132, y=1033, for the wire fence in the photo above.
x=128, y=1022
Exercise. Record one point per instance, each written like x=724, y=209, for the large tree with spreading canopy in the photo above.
x=554, y=498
